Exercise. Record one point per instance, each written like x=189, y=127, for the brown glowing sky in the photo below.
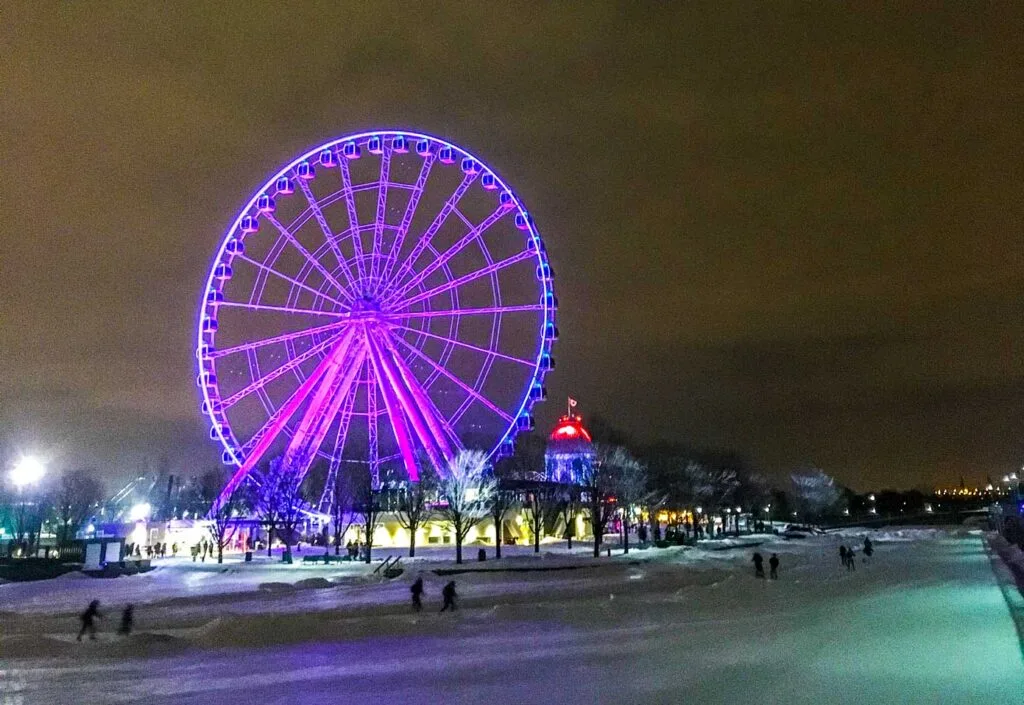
x=789, y=230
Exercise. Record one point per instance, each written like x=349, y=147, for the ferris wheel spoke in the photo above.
x=327, y=497
x=474, y=234
x=440, y=429
x=287, y=235
x=267, y=434
x=410, y=211
x=318, y=213
x=382, y=201
x=284, y=309
x=334, y=388
x=467, y=346
x=428, y=234
x=466, y=279
x=353, y=216
x=406, y=403
x=489, y=311
x=276, y=373
x=371, y=425
x=462, y=385
x=293, y=281
x=399, y=424
x=244, y=347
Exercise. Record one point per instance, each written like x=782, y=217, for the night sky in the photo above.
x=791, y=230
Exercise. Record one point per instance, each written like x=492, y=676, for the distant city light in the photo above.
x=139, y=512
x=27, y=471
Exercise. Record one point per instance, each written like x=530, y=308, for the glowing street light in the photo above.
x=140, y=512
x=29, y=470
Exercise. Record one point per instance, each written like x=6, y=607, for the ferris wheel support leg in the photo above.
x=394, y=410
x=405, y=399
x=327, y=496
x=371, y=427
x=439, y=430
x=289, y=409
x=322, y=409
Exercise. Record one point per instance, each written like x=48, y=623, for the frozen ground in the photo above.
x=923, y=622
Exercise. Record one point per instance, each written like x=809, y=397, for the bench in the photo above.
x=324, y=558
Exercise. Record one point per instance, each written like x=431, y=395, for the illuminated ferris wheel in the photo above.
x=385, y=297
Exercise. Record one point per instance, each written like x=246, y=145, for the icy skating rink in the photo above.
x=924, y=621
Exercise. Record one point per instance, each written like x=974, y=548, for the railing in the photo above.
x=390, y=568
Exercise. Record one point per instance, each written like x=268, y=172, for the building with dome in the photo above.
x=569, y=456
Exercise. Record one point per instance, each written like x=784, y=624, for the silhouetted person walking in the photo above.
x=842, y=555
x=127, y=620
x=851, y=559
x=773, y=566
x=758, y=565
x=89, y=617
x=417, y=594
x=448, y=593
x=868, y=548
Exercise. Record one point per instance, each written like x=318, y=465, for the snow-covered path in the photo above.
x=924, y=622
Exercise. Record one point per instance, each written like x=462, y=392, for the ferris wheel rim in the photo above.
x=232, y=445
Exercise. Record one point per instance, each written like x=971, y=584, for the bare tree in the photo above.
x=599, y=489
x=414, y=503
x=77, y=493
x=466, y=494
x=342, y=506
x=630, y=488
x=569, y=508
x=815, y=493
x=367, y=504
x=223, y=515
x=280, y=500
x=541, y=503
x=702, y=486
x=501, y=504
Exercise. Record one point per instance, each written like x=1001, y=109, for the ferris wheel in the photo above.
x=382, y=299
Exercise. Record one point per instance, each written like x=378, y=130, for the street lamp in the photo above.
x=29, y=470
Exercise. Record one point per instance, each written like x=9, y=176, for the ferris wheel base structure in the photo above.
x=382, y=301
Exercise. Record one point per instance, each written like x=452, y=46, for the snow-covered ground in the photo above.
x=924, y=621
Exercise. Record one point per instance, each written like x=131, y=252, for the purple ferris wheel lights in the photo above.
x=365, y=338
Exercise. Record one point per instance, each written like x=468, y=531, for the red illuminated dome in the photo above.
x=570, y=428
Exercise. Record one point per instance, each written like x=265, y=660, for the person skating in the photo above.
x=758, y=565
x=127, y=620
x=417, y=594
x=868, y=548
x=842, y=555
x=773, y=565
x=448, y=593
x=851, y=559
x=89, y=617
